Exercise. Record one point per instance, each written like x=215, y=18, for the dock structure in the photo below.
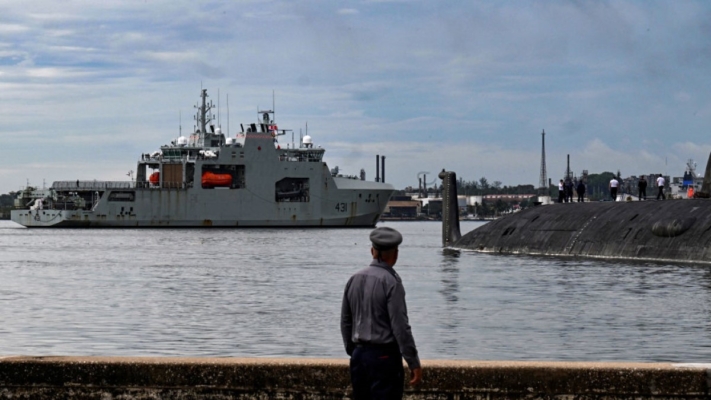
x=264, y=378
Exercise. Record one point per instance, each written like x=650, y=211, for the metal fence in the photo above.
x=104, y=185
x=93, y=185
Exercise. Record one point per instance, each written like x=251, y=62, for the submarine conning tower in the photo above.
x=706, y=185
x=450, y=208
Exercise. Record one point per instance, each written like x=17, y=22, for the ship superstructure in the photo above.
x=209, y=179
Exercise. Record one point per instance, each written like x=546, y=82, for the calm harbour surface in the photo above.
x=277, y=293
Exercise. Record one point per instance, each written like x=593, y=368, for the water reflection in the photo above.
x=450, y=274
x=450, y=312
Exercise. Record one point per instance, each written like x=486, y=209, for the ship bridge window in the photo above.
x=172, y=154
x=301, y=155
x=292, y=190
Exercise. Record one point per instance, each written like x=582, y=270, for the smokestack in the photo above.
x=382, y=170
x=362, y=174
x=377, y=167
x=424, y=184
x=420, y=187
x=567, y=170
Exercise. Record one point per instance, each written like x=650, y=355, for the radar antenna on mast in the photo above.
x=204, y=116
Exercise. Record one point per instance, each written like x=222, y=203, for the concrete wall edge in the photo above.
x=182, y=377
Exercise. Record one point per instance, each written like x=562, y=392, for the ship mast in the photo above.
x=203, y=117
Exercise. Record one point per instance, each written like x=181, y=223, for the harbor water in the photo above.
x=277, y=293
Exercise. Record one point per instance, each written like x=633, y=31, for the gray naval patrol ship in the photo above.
x=211, y=180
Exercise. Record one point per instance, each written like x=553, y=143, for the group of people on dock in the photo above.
x=642, y=188
x=566, y=187
x=565, y=190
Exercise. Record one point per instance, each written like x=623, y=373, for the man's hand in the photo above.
x=415, y=376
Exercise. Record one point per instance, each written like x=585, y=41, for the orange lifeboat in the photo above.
x=154, y=178
x=211, y=180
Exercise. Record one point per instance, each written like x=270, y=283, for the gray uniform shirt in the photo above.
x=374, y=311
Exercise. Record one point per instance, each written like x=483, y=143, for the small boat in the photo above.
x=212, y=180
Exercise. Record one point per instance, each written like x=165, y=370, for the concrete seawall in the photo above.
x=671, y=230
x=222, y=378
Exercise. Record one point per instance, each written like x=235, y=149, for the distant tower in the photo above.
x=543, y=183
x=568, y=175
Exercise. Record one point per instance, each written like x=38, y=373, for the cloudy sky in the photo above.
x=87, y=86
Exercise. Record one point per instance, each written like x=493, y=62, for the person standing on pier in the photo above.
x=613, y=188
x=568, y=190
x=561, y=191
x=581, y=191
x=660, y=186
x=642, y=186
x=374, y=324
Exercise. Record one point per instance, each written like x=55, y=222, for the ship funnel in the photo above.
x=450, y=208
x=377, y=167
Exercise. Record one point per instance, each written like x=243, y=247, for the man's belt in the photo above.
x=391, y=345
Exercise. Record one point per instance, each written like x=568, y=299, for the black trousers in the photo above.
x=613, y=193
x=643, y=194
x=377, y=372
x=660, y=193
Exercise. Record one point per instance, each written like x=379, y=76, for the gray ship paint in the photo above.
x=210, y=180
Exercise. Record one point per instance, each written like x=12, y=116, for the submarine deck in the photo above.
x=670, y=230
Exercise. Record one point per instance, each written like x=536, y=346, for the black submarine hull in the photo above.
x=670, y=230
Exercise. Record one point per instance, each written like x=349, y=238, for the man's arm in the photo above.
x=347, y=321
x=397, y=309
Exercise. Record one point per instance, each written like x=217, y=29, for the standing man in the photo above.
x=613, y=188
x=374, y=324
x=642, y=186
x=581, y=191
x=561, y=191
x=568, y=190
x=660, y=186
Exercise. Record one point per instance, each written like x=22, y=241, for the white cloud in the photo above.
x=348, y=11
x=170, y=56
x=12, y=29
x=466, y=87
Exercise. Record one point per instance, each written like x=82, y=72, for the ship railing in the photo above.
x=164, y=185
x=173, y=185
x=92, y=185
